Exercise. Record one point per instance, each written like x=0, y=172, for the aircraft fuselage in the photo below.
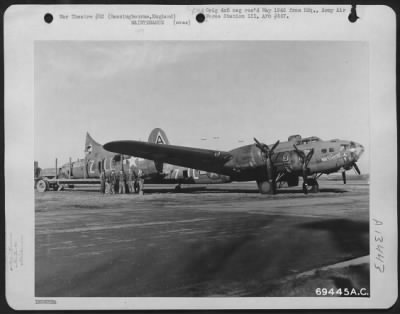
x=98, y=160
x=248, y=162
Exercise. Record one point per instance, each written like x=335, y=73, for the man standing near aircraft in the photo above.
x=113, y=180
x=102, y=182
x=122, y=182
x=140, y=181
x=108, y=184
x=131, y=181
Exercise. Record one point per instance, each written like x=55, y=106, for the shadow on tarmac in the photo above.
x=211, y=190
x=358, y=279
x=348, y=234
x=231, y=191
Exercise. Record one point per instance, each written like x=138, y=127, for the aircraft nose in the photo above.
x=356, y=149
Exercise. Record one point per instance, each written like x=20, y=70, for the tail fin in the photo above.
x=91, y=146
x=158, y=136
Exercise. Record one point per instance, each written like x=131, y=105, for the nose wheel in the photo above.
x=310, y=186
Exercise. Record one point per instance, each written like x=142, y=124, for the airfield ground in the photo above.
x=223, y=240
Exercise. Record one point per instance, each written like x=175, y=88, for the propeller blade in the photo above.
x=257, y=142
x=299, y=152
x=273, y=147
x=309, y=156
x=344, y=177
x=356, y=168
x=264, y=148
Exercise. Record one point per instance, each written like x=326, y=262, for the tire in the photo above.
x=312, y=186
x=305, y=188
x=265, y=187
x=42, y=186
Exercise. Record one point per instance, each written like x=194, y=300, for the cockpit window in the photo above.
x=311, y=139
x=323, y=150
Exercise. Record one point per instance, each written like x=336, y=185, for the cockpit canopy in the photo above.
x=298, y=140
x=294, y=138
x=310, y=139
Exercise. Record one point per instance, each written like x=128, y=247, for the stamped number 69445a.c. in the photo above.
x=341, y=292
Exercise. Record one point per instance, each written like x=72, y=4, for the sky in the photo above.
x=207, y=94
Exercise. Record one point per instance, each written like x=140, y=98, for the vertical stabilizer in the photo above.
x=91, y=145
x=158, y=136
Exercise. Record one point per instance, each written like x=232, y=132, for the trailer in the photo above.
x=44, y=184
x=49, y=179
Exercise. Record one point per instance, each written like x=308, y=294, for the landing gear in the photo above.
x=136, y=187
x=310, y=186
x=178, y=188
x=267, y=187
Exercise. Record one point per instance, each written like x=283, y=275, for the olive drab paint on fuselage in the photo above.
x=307, y=158
x=248, y=162
x=98, y=159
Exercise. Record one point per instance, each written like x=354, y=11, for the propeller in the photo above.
x=306, y=160
x=356, y=168
x=268, y=152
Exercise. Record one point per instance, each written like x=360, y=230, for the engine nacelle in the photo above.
x=288, y=161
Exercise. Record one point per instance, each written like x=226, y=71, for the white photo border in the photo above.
x=23, y=25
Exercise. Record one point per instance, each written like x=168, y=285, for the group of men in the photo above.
x=113, y=183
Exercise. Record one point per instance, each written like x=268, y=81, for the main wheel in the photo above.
x=305, y=188
x=265, y=187
x=42, y=186
x=313, y=185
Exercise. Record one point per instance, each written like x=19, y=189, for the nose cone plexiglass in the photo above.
x=356, y=150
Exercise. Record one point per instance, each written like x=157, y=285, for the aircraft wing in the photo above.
x=196, y=158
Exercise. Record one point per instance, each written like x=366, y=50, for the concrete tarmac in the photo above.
x=220, y=240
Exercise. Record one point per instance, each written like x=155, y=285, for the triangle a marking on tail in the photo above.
x=160, y=139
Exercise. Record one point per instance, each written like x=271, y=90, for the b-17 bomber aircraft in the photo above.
x=268, y=165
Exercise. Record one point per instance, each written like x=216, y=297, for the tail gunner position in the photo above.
x=268, y=165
